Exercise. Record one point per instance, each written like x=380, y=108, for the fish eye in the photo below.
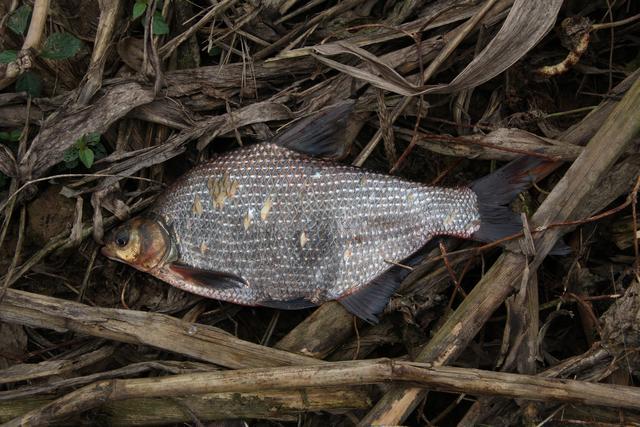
x=122, y=239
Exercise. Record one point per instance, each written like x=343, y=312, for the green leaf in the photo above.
x=3, y=180
x=138, y=9
x=19, y=19
x=92, y=138
x=99, y=151
x=86, y=157
x=60, y=46
x=7, y=56
x=29, y=82
x=72, y=164
x=159, y=25
x=12, y=136
x=70, y=154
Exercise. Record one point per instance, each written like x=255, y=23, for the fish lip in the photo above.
x=108, y=253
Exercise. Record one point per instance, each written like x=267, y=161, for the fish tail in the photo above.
x=496, y=190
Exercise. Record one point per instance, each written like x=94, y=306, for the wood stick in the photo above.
x=202, y=342
x=470, y=381
x=48, y=368
x=282, y=405
x=321, y=333
x=611, y=140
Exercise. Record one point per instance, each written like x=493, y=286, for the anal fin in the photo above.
x=368, y=302
x=207, y=278
x=294, y=304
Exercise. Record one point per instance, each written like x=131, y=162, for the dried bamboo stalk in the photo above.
x=137, y=327
x=584, y=175
x=470, y=381
x=282, y=405
x=48, y=368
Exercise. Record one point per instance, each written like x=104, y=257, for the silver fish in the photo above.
x=267, y=225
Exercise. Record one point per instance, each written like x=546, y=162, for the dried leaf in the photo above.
x=527, y=23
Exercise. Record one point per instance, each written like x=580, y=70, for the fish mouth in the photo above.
x=108, y=252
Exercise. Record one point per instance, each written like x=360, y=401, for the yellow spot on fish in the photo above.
x=247, y=219
x=363, y=180
x=348, y=253
x=411, y=197
x=233, y=188
x=197, y=205
x=203, y=248
x=266, y=208
x=221, y=189
x=303, y=239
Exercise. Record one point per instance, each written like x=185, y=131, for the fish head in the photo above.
x=143, y=243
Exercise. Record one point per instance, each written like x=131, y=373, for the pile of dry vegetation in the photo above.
x=103, y=103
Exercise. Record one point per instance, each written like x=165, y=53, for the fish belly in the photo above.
x=296, y=227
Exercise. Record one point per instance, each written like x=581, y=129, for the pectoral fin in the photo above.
x=207, y=278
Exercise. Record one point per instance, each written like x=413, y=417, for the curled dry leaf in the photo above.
x=527, y=23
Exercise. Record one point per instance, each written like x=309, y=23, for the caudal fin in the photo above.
x=496, y=190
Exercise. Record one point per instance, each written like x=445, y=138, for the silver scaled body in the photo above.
x=293, y=226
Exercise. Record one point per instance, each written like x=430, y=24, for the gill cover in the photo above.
x=143, y=243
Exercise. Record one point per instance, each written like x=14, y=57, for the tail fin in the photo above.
x=496, y=190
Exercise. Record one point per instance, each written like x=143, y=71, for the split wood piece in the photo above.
x=320, y=333
x=280, y=405
x=461, y=380
x=48, y=368
x=202, y=342
x=109, y=11
x=611, y=140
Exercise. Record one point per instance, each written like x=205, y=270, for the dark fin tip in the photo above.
x=369, y=302
x=210, y=279
x=294, y=304
x=320, y=134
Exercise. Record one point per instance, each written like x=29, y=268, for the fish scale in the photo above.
x=330, y=229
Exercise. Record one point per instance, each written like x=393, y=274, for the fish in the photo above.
x=284, y=224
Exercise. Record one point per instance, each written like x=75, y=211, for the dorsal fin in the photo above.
x=320, y=134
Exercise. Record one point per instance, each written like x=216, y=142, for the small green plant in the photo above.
x=3, y=180
x=7, y=56
x=56, y=47
x=87, y=149
x=29, y=82
x=159, y=26
x=19, y=19
x=60, y=46
x=11, y=136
